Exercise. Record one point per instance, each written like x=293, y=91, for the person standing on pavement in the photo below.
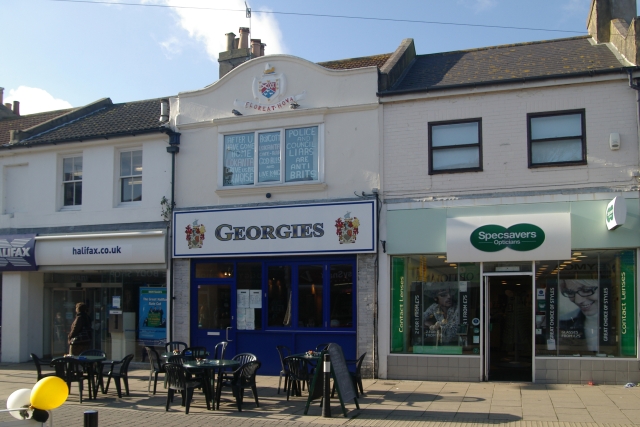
x=80, y=335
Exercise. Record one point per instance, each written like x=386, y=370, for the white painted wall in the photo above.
x=42, y=185
x=609, y=105
x=344, y=102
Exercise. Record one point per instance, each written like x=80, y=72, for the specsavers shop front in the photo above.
x=544, y=293
x=259, y=277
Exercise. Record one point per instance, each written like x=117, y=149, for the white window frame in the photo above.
x=62, y=181
x=282, y=182
x=121, y=177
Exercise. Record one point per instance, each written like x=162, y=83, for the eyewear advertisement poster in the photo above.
x=436, y=324
x=584, y=320
x=627, y=304
x=153, y=308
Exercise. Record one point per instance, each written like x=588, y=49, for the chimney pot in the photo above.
x=16, y=108
x=255, y=48
x=244, y=38
x=1, y=94
x=164, y=110
x=262, y=45
x=230, y=41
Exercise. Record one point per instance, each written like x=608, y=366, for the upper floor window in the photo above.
x=455, y=146
x=72, y=181
x=131, y=176
x=556, y=138
x=262, y=158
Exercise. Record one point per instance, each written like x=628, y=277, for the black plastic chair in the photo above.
x=39, y=362
x=243, y=377
x=177, y=380
x=356, y=376
x=72, y=371
x=118, y=371
x=298, y=374
x=219, y=350
x=172, y=346
x=283, y=351
x=193, y=353
x=157, y=367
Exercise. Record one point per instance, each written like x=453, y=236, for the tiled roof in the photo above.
x=25, y=122
x=129, y=118
x=364, y=61
x=507, y=63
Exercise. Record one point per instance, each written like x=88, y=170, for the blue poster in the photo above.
x=153, y=314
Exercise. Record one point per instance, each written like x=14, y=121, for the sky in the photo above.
x=68, y=53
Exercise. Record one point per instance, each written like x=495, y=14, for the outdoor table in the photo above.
x=210, y=368
x=313, y=358
x=89, y=365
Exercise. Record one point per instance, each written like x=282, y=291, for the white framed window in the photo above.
x=72, y=181
x=455, y=146
x=557, y=138
x=272, y=157
x=131, y=176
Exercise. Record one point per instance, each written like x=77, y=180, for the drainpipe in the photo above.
x=173, y=148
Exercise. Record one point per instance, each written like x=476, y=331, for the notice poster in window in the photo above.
x=250, y=319
x=241, y=323
x=269, y=157
x=301, y=159
x=243, y=298
x=255, y=298
x=238, y=159
x=153, y=306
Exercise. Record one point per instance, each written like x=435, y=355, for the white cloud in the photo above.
x=34, y=100
x=209, y=26
x=479, y=5
x=171, y=47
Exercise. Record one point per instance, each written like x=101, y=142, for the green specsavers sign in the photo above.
x=509, y=237
x=519, y=237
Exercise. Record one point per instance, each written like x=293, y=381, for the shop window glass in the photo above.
x=435, y=306
x=72, y=181
x=585, y=306
x=249, y=299
x=214, y=270
x=131, y=176
x=279, y=296
x=214, y=306
x=310, y=296
x=341, y=296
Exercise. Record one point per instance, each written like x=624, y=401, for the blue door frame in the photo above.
x=262, y=342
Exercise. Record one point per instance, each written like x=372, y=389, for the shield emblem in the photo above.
x=269, y=87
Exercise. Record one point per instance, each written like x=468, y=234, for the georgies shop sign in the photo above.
x=319, y=229
x=17, y=252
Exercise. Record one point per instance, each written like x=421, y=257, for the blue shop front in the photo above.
x=276, y=275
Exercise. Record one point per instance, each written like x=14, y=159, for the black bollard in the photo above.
x=326, y=403
x=90, y=418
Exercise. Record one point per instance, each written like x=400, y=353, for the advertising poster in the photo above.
x=627, y=304
x=550, y=309
x=440, y=316
x=583, y=310
x=153, y=317
x=417, y=308
x=397, y=309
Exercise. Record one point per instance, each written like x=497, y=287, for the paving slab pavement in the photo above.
x=386, y=403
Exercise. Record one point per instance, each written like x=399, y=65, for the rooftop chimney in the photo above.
x=16, y=108
x=244, y=38
x=164, y=110
x=238, y=51
x=615, y=22
x=1, y=94
x=255, y=48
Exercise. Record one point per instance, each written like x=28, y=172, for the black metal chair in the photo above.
x=356, y=376
x=118, y=371
x=298, y=374
x=243, y=377
x=72, y=371
x=283, y=351
x=39, y=362
x=157, y=367
x=173, y=346
x=177, y=380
